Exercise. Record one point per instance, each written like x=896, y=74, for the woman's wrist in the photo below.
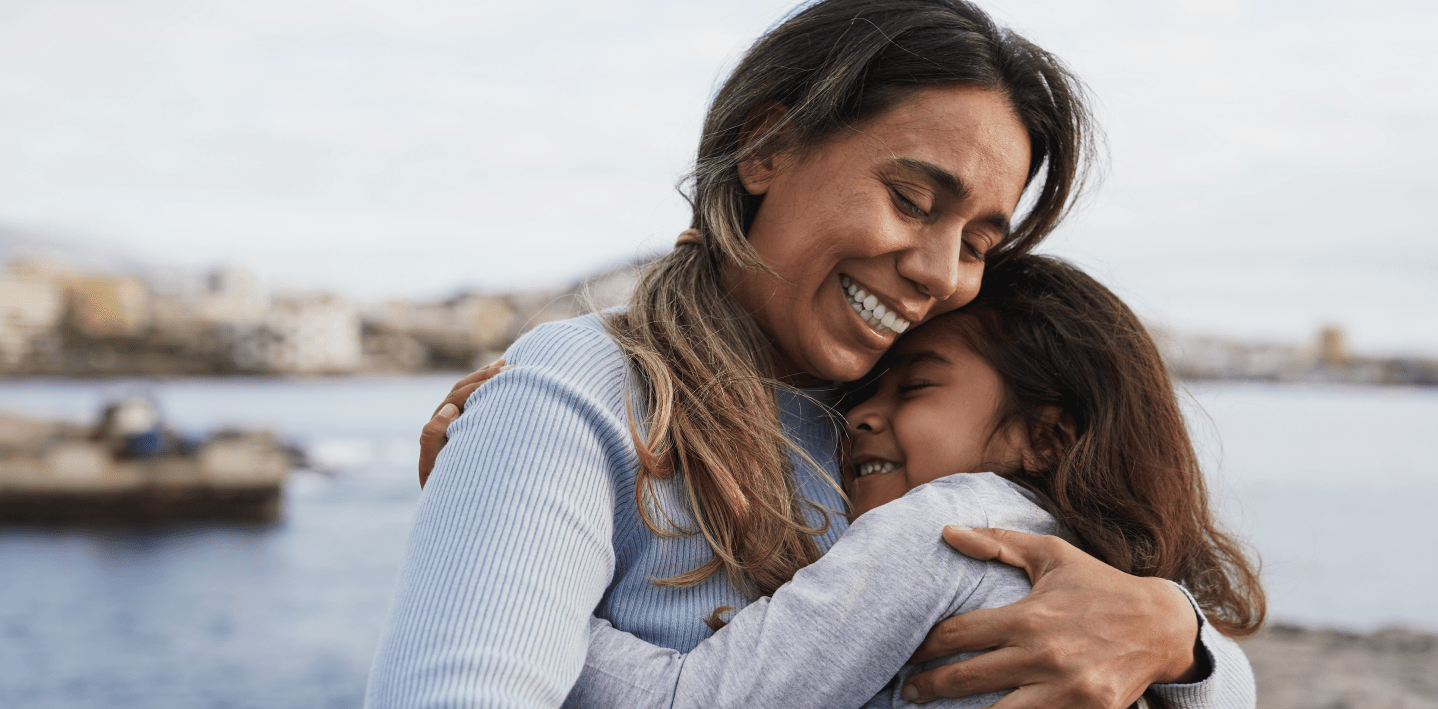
x=1187, y=662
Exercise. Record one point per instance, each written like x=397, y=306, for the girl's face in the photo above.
x=899, y=211
x=934, y=414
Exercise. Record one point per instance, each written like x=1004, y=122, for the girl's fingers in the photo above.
x=459, y=396
x=461, y=391
x=432, y=437
x=482, y=374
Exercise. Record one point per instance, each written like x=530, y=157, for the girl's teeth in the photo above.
x=878, y=466
x=871, y=310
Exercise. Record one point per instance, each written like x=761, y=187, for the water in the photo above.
x=1332, y=485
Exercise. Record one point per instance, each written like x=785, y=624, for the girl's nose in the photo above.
x=865, y=418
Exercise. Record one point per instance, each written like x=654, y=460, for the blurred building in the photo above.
x=313, y=334
x=453, y=333
x=1325, y=359
x=31, y=309
x=100, y=307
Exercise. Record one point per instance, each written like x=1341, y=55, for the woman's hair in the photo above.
x=704, y=367
x=1109, y=450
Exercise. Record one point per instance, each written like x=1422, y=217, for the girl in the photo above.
x=1051, y=384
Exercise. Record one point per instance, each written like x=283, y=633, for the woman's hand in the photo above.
x=1088, y=635
x=432, y=437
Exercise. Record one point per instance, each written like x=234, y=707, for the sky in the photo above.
x=1270, y=163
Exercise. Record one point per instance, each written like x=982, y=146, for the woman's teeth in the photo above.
x=877, y=466
x=869, y=308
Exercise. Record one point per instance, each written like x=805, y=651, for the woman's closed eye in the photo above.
x=912, y=386
x=979, y=253
x=907, y=205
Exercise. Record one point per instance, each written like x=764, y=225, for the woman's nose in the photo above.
x=935, y=265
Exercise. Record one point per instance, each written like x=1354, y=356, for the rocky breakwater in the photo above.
x=58, y=473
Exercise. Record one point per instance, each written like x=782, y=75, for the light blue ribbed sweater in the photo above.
x=529, y=526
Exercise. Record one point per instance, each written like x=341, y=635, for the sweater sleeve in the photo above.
x=511, y=548
x=1230, y=683
x=831, y=637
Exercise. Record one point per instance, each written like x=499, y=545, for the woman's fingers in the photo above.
x=989, y=672
x=433, y=436
x=1089, y=634
x=976, y=630
x=1041, y=683
x=1037, y=554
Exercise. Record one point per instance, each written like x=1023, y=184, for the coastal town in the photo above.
x=57, y=319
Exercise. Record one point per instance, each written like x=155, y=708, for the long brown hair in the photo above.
x=704, y=367
x=1112, y=457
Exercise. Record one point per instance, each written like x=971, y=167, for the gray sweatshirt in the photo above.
x=841, y=630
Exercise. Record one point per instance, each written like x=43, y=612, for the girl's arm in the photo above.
x=511, y=548
x=839, y=631
x=836, y=635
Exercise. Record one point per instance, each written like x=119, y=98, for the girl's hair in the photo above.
x=1110, y=453
x=703, y=366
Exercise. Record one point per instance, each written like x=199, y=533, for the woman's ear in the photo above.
x=758, y=171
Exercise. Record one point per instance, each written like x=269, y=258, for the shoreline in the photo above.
x=1302, y=667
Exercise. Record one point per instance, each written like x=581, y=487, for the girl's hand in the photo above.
x=432, y=437
x=1088, y=635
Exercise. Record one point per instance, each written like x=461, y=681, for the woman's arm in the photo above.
x=1112, y=635
x=511, y=548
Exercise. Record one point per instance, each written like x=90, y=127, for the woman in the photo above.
x=652, y=467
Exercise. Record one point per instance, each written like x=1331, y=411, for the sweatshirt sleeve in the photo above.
x=511, y=548
x=844, y=627
x=832, y=637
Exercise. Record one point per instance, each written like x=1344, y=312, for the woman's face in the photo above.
x=933, y=414
x=894, y=214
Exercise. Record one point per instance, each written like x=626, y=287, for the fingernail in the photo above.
x=446, y=412
x=959, y=528
x=506, y=368
x=911, y=693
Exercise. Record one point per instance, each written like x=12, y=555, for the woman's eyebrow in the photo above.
x=950, y=184
x=943, y=179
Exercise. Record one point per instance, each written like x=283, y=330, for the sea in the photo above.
x=1333, y=486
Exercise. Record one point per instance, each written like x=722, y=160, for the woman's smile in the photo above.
x=881, y=316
